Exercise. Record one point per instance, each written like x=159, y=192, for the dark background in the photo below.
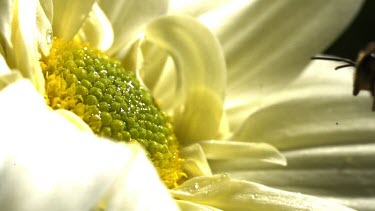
x=357, y=35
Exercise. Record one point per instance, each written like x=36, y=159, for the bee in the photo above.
x=364, y=76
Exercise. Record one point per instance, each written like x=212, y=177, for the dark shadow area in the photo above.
x=357, y=36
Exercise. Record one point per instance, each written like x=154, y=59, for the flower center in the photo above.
x=111, y=101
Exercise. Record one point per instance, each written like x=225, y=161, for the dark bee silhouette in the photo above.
x=364, y=76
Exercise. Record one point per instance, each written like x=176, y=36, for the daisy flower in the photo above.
x=218, y=101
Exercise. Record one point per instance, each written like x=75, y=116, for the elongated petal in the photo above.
x=155, y=59
x=195, y=161
x=68, y=16
x=194, y=7
x=343, y=173
x=129, y=18
x=318, y=109
x=47, y=6
x=6, y=11
x=218, y=150
x=327, y=136
x=25, y=38
x=44, y=27
x=189, y=206
x=47, y=164
x=267, y=43
x=222, y=192
x=97, y=30
x=200, y=69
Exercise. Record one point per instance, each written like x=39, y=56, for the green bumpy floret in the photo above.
x=111, y=101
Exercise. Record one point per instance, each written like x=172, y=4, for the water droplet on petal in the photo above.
x=196, y=186
x=49, y=36
x=254, y=196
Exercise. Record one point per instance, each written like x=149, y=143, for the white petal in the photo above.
x=155, y=59
x=47, y=6
x=267, y=43
x=23, y=53
x=228, y=156
x=9, y=78
x=222, y=192
x=2, y=52
x=74, y=120
x=97, y=30
x=4, y=69
x=44, y=26
x=68, y=16
x=6, y=11
x=343, y=173
x=189, y=206
x=129, y=18
x=327, y=135
x=139, y=188
x=200, y=69
x=194, y=7
x=318, y=109
x=47, y=164
x=359, y=203
x=195, y=161
x=221, y=150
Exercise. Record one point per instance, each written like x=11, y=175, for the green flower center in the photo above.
x=111, y=101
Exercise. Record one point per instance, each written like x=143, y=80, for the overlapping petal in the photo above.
x=317, y=109
x=325, y=133
x=200, y=70
x=189, y=206
x=226, y=193
x=21, y=38
x=129, y=18
x=268, y=43
x=6, y=11
x=340, y=173
x=43, y=173
x=230, y=155
x=97, y=30
x=68, y=17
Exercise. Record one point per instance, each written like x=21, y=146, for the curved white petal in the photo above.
x=155, y=59
x=68, y=17
x=22, y=54
x=44, y=26
x=222, y=192
x=200, y=69
x=318, y=109
x=47, y=164
x=195, y=161
x=129, y=18
x=267, y=43
x=97, y=30
x=6, y=11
